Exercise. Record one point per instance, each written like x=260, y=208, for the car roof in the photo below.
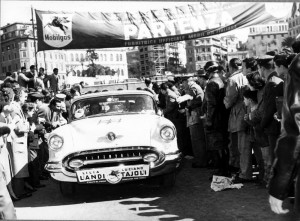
x=110, y=93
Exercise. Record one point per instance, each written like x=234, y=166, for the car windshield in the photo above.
x=113, y=105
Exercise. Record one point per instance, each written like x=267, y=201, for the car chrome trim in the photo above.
x=86, y=162
x=125, y=155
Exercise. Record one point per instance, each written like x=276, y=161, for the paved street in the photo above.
x=190, y=199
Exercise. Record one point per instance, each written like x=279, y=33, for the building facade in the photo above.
x=294, y=22
x=267, y=37
x=17, y=50
x=200, y=51
x=237, y=54
x=156, y=59
x=114, y=58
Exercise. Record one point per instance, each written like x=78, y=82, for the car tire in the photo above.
x=168, y=180
x=67, y=188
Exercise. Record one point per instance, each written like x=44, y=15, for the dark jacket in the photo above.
x=288, y=148
x=273, y=89
x=215, y=108
x=217, y=116
x=30, y=75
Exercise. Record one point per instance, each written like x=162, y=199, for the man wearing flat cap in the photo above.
x=273, y=89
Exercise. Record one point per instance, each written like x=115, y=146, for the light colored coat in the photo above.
x=234, y=100
x=19, y=132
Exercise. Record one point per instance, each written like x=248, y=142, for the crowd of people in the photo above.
x=232, y=119
x=31, y=106
x=229, y=119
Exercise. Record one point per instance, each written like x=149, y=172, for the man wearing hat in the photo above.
x=62, y=98
x=273, y=89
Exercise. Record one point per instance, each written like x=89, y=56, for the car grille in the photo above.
x=110, y=157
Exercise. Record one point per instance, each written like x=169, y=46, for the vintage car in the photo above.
x=113, y=137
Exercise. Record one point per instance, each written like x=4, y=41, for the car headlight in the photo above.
x=150, y=157
x=167, y=133
x=76, y=163
x=55, y=142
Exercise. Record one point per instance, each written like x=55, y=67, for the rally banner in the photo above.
x=81, y=30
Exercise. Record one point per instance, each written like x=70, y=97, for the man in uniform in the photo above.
x=194, y=97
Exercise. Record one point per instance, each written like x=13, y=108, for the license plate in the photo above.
x=113, y=175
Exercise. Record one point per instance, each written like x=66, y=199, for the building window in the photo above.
x=105, y=57
x=199, y=58
x=55, y=56
x=17, y=67
x=9, y=57
x=81, y=57
x=3, y=69
x=101, y=57
x=117, y=57
x=72, y=57
x=3, y=58
x=111, y=57
x=122, y=72
x=77, y=57
x=141, y=49
x=262, y=37
x=9, y=67
x=24, y=54
x=190, y=59
x=25, y=44
x=274, y=36
x=15, y=55
x=121, y=55
x=8, y=47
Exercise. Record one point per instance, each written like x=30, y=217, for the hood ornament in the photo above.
x=111, y=136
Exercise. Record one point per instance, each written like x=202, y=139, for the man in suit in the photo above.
x=273, y=89
x=53, y=79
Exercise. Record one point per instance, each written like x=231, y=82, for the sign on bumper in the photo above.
x=113, y=175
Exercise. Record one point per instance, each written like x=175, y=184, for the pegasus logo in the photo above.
x=57, y=29
x=58, y=22
x=111, y=136
x=114, y=173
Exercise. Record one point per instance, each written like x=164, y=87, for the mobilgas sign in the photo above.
x=79, y=30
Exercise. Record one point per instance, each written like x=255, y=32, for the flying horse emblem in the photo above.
x=58, y=22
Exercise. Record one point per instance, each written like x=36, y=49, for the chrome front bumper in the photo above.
x=170, y=163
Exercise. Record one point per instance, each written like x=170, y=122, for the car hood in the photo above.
x=124, y=130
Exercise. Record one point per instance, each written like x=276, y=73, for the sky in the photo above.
x=20, y=11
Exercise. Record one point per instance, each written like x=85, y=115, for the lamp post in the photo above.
x=34, y=42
